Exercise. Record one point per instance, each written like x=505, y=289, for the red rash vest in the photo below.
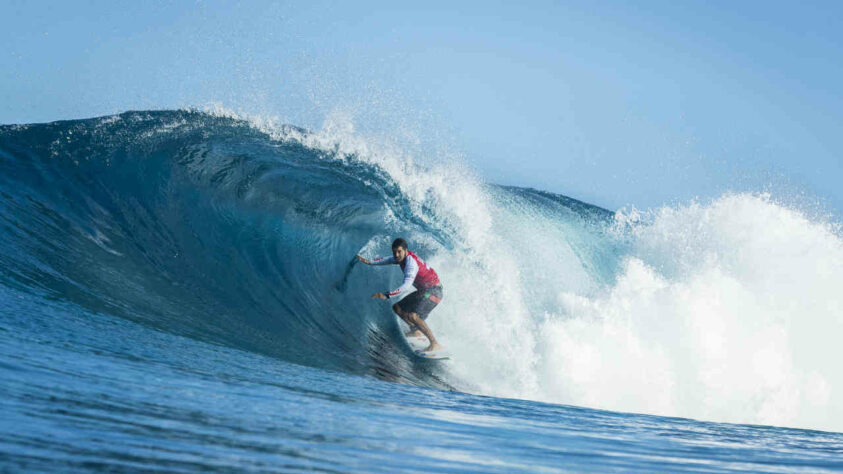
x=416, y=273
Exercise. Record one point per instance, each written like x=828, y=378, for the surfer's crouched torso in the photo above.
x=416, y=274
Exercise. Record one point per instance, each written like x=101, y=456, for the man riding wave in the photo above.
x=415, y=308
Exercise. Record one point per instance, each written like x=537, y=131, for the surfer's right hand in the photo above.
x=362, y=259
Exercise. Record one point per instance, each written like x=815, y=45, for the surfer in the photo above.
x=415, y=308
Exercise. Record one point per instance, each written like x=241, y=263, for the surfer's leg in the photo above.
x=398, y=311
x=401, y=314
x=414, y=309
x=414, y=330
x=414, y=319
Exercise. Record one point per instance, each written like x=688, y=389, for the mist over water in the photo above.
x=722, y=311
x=241, y=233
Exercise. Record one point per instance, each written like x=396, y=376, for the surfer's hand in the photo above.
x=362, y=259
x=379, y=296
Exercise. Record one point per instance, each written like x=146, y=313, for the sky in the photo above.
x=618, y=104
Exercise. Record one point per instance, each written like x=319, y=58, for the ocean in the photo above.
x=179, y=292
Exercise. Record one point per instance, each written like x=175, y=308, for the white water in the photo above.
x=725, y=311
x=729, y=311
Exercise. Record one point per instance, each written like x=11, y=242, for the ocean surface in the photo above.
x=178, y=292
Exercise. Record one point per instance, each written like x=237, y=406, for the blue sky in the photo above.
x=615, y=103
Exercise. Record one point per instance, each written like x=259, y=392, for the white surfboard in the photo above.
x=436, y=355
x=419, y=343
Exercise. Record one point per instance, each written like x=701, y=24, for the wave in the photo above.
x=243, y=233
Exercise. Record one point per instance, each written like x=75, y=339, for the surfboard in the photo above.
x=419, y=343
x=435, y=355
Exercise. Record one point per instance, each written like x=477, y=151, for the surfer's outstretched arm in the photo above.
x=377, y=261
x=383, y=261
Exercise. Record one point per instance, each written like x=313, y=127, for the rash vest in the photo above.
x=416, y=273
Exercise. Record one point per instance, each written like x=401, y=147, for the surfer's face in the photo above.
x=400, y=253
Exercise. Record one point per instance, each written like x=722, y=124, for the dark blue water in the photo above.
x=177, y=293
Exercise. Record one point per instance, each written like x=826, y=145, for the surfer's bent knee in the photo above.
x=397, y=309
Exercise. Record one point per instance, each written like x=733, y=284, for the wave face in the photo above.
x=244, y=235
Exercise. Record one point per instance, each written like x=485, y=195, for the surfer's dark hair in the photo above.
x=399, y=242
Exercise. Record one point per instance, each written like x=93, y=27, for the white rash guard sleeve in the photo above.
x=383, y=261
x=411, y=269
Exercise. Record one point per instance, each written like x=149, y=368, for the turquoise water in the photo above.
x=176, y=294
x=86, y=391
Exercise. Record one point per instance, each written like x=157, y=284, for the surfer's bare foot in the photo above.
x=433, y=347
x=415, y=333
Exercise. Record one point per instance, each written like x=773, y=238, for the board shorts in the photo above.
x=422, y=302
